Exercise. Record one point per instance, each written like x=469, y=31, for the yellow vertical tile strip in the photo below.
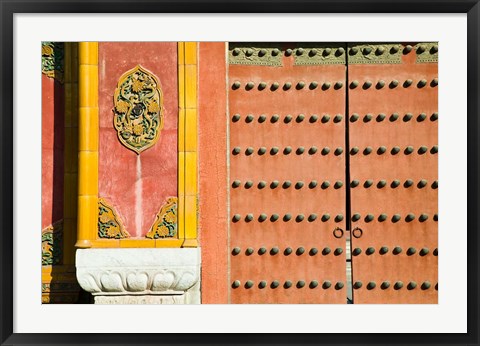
x=190, y=143
x=181, y=142
x=87, y=143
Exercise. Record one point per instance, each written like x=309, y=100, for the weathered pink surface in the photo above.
x=52, y=150
x=213, y=172
x=118, y=165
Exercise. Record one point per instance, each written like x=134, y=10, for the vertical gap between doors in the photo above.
x=348, y=241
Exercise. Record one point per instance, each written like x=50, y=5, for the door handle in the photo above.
x=338, y=232
x=357, y=232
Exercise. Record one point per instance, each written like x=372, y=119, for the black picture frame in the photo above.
x=9, y=8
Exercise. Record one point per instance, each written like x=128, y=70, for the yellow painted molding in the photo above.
x=190, y=53
x=159, y=243
x=191, y=130
x=181, y=53
x=87, y=149
x=88, y=176
x=181, y=174
x=181, y=217
x=190, y=173
x=88, y=86
x=190, y=243
x=137, y=243
x=190, y=217
x=88, y=53
x=105, y=243
x=187, y=143
x=88, y=118
x=190, y=86
x=181, y=130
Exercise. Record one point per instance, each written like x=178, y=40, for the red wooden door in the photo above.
x=393, y=109
x=287, y=173
x=290, y=206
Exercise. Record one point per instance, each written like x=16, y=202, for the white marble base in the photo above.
x=146, y=276
x=150, y=300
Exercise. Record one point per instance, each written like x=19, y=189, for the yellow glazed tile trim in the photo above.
x=190, y=173
x=88, y=90
x=87, y=159
x=181, y=130
x=187, y=143
x=88, y=183
x=190, y=53
x=88, y=118
x=107, y=243
x=168, y=242
x=190, y=86
x=191, y=130
x=181, y=217
x=190, y=218
x=87, y=219
x=181, y=174
x=137, y=243
x=88, y=53
x=181, y=53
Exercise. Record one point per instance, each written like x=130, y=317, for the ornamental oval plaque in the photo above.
x=138, y=109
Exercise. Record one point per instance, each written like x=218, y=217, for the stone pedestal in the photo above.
x=140, y=276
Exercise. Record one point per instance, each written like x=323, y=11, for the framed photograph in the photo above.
x=226, y=172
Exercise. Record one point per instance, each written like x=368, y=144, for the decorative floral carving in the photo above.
x=378, y=53
x=319, y=54
x=428, y=52
x=52, y=60
x=138, y=115
x=165, y=225
x=52, y=244
x=109, y=224
x=262, y=54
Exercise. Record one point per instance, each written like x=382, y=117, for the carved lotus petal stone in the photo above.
x=163, y=281
x=187, y=280
x=111, y=282
x=89, y=281
x=137, y=282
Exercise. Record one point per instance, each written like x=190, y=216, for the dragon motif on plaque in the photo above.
x=165, y=225
x=52, y=244
x=138, y=116
x=52, y=60
x=109, y=224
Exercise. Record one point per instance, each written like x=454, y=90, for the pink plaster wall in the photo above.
x=213, y=172
x=52, y=150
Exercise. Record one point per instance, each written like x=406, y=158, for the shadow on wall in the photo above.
x=58, y=260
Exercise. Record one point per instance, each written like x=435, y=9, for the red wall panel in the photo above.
x=213, y=172
x=52, y=150
x=138, y=185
